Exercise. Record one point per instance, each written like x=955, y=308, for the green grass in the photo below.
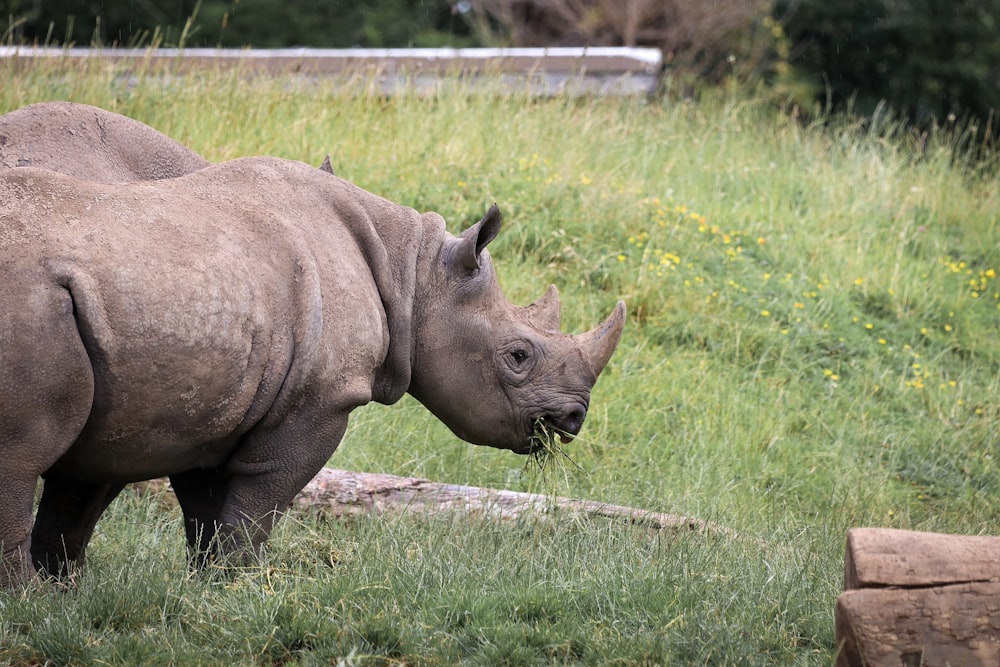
x=813, y=344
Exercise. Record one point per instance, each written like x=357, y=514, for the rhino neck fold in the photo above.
x=407, y=247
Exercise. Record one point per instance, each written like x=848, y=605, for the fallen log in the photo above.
x=342, y=492
x=920, y=599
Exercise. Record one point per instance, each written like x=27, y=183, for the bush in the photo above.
x=931, y=61
x=339, y=23
x=237, y=23
x=69, y=22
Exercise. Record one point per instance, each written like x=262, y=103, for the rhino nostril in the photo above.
x=570, y=421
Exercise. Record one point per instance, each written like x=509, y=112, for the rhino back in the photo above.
x=202, y=315
x=91, y=143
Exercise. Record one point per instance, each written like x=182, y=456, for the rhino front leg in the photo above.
x=202, y=495
x=232, y=511
x=67, y=513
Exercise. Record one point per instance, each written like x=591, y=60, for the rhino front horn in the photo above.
x=600, y=343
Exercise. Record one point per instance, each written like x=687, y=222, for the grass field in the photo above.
x=813, y=344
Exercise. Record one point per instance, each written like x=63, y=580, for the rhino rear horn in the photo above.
x=544, y=313
x=599, y=343
x=474, y=239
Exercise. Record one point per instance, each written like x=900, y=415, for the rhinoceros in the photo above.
x=91, y=143
x=218, y=328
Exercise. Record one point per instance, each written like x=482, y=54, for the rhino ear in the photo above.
x=474, y=239
x=326, y=166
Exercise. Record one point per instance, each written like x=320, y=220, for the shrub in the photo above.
x=931, y=61
x=237, y=23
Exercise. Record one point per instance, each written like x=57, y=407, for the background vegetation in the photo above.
x=238, y=23
x=929, y=62
x=813, y=344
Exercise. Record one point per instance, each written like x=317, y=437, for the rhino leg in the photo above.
x=67, y=513
x=201, y=494
x=231, y=512
x=46, y=391
x=16, y=499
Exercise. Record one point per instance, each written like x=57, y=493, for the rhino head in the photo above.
x=490, y=370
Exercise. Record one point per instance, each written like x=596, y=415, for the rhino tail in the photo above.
x=89, y=311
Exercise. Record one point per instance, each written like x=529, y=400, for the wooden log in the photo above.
x=920, y=599
x=342, y=492
x=889, y=557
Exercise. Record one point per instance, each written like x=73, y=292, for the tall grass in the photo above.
x=813, y=344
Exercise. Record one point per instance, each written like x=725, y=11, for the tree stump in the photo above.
x=914, y=599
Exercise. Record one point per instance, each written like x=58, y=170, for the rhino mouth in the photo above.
x=545, y=445
x=547, y=429
x=546, y=436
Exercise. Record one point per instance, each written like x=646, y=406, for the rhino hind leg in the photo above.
x=46, y=393
x=16, y=497
x=67, y=513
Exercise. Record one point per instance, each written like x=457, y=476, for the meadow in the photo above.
x=813, y=344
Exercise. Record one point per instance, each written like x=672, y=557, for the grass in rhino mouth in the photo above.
x=546, y=445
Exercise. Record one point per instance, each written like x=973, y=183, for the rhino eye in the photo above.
x=517, y=358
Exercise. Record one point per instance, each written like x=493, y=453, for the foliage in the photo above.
x=237, y=23
x=388, y=23
x=813, y=344
x=931, y=61
x=68, y=22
